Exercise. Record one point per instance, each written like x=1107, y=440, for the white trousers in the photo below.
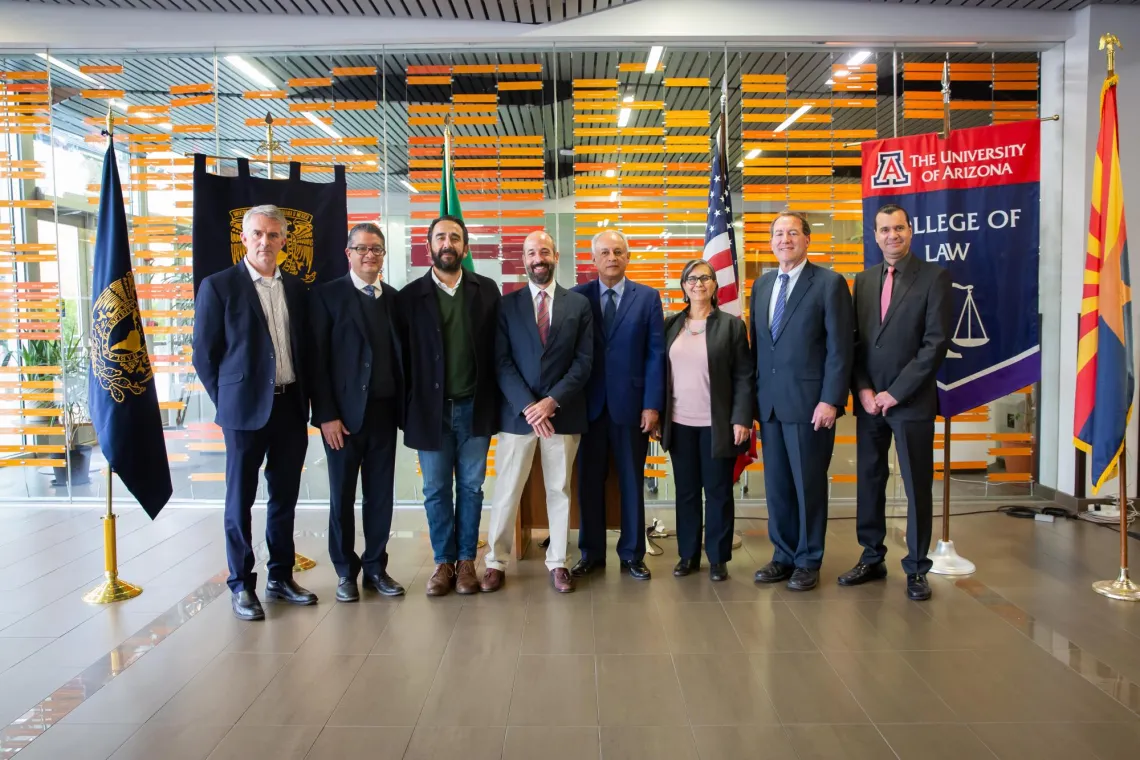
x=514, y=455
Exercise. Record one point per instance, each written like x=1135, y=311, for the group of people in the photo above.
x=586, y=375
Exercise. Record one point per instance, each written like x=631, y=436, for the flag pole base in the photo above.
x=1122, y=588
x=301, y=563
x=947, y=561
x=112, y=590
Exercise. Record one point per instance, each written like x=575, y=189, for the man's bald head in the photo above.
x=540, y=256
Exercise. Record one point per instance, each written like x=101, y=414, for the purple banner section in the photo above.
x=983, y=390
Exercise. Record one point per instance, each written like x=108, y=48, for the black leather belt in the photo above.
x=280, y=389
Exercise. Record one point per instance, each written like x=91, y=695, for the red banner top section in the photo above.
x=1004, y=154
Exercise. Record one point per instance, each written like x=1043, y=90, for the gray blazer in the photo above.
x=730, y=379
x=902, y=354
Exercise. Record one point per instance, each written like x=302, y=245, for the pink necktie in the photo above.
x=888, y=287
x=543, y=317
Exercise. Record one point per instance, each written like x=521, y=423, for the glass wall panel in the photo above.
x=576, y=141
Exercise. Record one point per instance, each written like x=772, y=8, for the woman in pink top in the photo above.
x=707, y=419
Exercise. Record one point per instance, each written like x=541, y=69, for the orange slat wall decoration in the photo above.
x=500, y=177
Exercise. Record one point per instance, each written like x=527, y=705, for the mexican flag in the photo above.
x=448, y=196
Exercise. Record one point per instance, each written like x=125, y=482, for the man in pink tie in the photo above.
x=544, y=351
x=903, y=315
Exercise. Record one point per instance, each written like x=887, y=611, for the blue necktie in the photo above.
x=609, y=311
x=781, y=302
x=369, y=291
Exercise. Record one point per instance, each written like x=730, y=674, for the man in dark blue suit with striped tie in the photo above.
x=626, y=393
x=802, y=329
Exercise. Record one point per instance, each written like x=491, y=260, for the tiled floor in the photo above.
x=1020, y=661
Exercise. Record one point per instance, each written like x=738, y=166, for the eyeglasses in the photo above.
x=703, y=279
x=360, y=250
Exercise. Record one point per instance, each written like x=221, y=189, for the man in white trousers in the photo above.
x=544, y=351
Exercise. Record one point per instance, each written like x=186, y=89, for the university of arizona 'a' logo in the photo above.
x=891, y=172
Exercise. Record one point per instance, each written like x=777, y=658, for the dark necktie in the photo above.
x=609, y=311
x=369, y=291
x=781, y=302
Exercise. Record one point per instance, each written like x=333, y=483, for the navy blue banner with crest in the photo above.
x=316, y=212
x=974, y=203
x=121, y=393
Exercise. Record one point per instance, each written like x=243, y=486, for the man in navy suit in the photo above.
x=625, y=395
x=358, y=402
x=250, y=329
x=544, y=348
x=802, y=342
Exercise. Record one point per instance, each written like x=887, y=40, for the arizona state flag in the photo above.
x=1106, y=378
x=122, y=397
x=449, y=196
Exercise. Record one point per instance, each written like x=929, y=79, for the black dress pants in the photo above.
x=914, y=445
x=371, y=453
x=694, y=468
x=281, y=444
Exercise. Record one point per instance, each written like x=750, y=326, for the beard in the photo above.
x=541, y=278
x=444, y=266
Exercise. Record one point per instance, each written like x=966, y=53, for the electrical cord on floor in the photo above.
x=1112, y=520
x=1030, y=513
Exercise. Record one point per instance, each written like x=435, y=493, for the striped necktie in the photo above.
x=543, y=317
x=369, y=291
x=781, y=302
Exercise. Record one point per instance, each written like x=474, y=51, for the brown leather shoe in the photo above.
x=562, y=580
x=465, y=580
x=492, y=580
x=441, y=581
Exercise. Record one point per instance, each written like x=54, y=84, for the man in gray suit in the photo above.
x=903, y=313
x=801, y=327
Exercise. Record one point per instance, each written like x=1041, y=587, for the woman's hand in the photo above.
x=740, y=434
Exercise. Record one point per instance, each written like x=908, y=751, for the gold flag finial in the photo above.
x=109, y=128
x=269, y=145
x=1110, y=42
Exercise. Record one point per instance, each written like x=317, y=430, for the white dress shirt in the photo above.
x=793, y=276
x=271, y=293
x=451, y=291
x=360, y=284
x=549, y=290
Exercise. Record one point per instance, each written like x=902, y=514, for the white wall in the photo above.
x=1066, y=182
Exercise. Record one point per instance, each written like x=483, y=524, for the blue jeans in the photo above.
x=461, y=459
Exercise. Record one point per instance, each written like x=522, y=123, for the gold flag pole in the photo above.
x=112, y=589
x=946, y=97
x=1123, y=588
x=301, y=563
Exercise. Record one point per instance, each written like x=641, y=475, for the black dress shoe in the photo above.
x=288, y=591
x=346, y=590
x=917, y=589
x=803, y=579
x=773, y=572
x=246, y=606
x=382, y=583
x=718, y=571
x=686, y=566
x=863, y=573
x=637, y=569
x=586, y=566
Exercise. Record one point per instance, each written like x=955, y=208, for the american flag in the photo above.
x=720, y=243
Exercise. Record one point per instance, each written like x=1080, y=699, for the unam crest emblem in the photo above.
x=297, y=257
x=119, y=359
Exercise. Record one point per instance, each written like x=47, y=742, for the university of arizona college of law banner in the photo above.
x=974, y=202
x=317, y=213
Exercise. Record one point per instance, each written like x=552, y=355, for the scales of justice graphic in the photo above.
x=971, y=320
